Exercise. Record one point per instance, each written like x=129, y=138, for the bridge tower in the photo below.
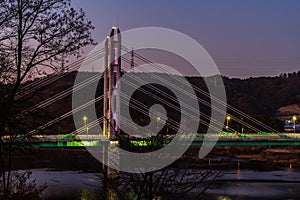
x=112, y=74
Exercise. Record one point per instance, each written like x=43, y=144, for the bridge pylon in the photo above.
x=112, y=74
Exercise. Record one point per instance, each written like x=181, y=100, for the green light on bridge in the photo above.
x=142, y=143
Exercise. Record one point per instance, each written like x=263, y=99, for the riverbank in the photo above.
x=277, y=156
x=77, y=158
x=227, y=157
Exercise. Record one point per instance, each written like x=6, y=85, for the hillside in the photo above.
x=260, y=97
x=263, y=95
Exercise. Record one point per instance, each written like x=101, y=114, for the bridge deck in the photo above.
x=229, y=139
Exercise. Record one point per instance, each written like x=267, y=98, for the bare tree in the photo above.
x=42, y=33
x=35, y=35
x=177, y=181
x=21, y=187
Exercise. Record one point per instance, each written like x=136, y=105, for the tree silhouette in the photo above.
x=35, y=36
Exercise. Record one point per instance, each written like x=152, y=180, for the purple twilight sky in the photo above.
x=245, y=38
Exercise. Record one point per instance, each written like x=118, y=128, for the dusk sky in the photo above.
x=245, y=38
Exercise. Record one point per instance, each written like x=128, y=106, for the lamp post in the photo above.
x=294, y=120
x=85, y=124
x=242, y=125
x=157, y=120
x=227, y=122
x=167, y=128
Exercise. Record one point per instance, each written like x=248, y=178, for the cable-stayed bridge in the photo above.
x=258, y=132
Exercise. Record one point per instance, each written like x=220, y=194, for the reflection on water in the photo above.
x=238, y=185
x=238, y=172
x=65, y=185
x=289, y=175
x=260, y=185
x=257, y=190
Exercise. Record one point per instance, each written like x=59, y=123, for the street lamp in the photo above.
x=85, y=124
x=167, y=128
x=242, y=125
x=157, y=120
x=227, y=121
x=294, y=120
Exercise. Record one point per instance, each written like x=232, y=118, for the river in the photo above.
x=238, y=185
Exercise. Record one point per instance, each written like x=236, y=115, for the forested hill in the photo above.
x=263, y=95
x=258, y=97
